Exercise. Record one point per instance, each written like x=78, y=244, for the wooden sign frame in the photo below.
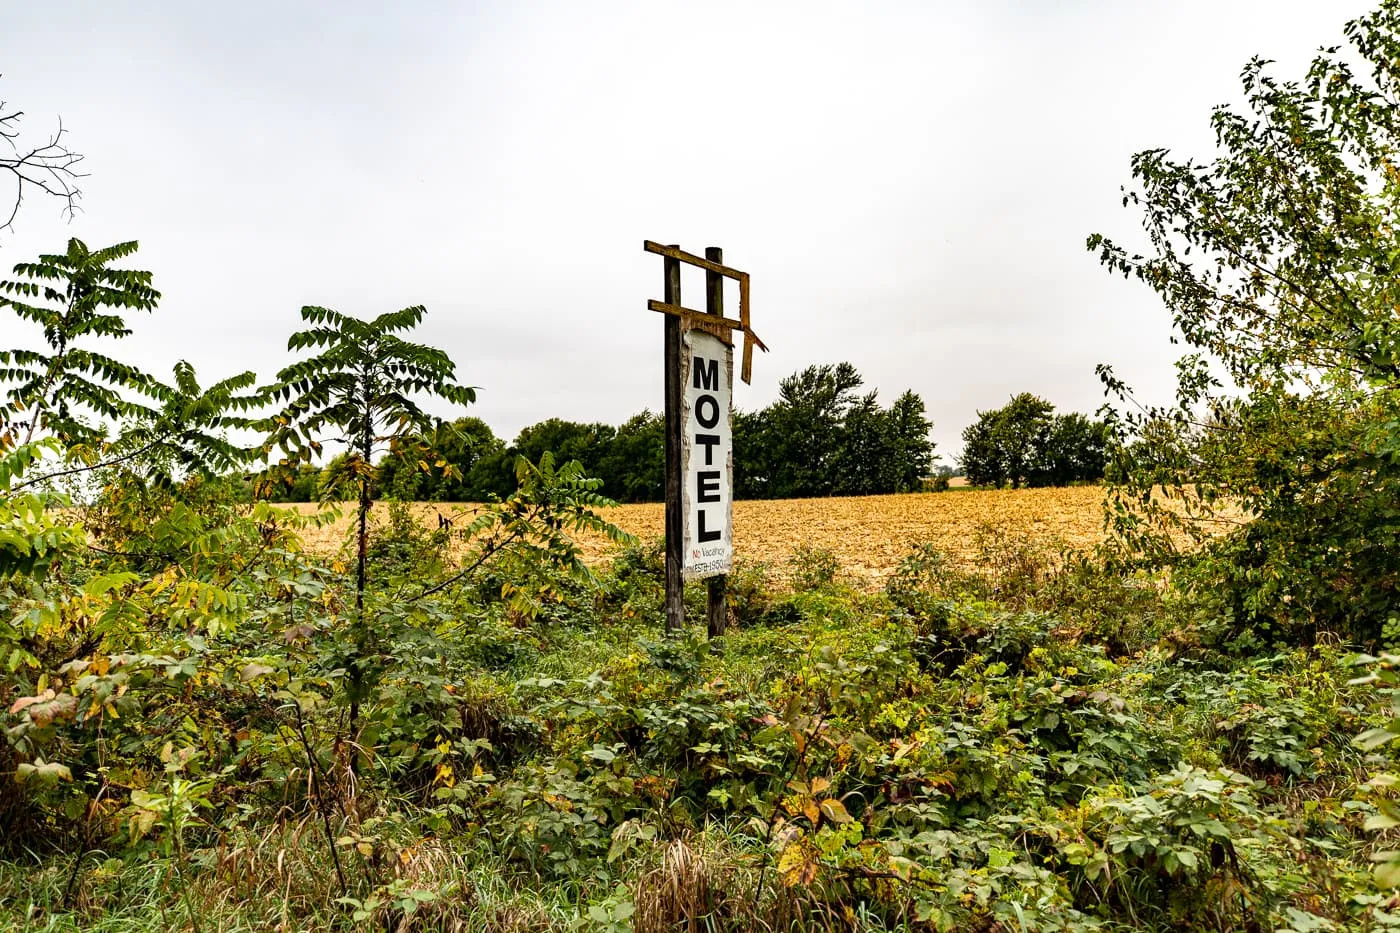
x=679, y=318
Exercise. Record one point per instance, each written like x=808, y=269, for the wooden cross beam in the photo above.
x=721, y=327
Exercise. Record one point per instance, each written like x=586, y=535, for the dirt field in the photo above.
x=868, y=534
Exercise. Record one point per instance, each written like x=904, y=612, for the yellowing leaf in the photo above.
x=46, y=773
x=835, y=810
x=252, y=671
x=798, y=864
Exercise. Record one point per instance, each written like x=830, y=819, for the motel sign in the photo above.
x=699, y=378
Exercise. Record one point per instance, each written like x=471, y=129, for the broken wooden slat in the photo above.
x=672, y=252
x=687, y=313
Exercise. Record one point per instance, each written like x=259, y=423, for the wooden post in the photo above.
x=675, y=596
x=717, y=611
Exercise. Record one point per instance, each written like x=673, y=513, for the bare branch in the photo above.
x=48, y=168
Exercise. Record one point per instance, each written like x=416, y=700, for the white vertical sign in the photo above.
x=707, y=456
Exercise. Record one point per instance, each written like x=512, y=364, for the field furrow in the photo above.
x=868, y=534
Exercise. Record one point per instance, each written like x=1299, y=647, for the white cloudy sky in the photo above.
x=909, y=183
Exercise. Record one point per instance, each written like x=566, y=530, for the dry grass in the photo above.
x=868, y=534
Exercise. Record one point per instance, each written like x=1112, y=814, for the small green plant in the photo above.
x=613, y=914
x=813, y=568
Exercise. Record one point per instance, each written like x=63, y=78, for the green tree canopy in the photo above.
x=1024, y=443
x=1277, y=259
x=633, y=466
x=439, y=465
x=821, y=438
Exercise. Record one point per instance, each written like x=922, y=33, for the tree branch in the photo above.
x=50, y=168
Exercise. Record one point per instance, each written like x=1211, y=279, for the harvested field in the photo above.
x=868, y=534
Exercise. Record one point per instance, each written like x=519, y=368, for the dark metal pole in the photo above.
x=675, y=597
x=717, y=612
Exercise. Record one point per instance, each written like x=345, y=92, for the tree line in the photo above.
x=819, y=438
x=822, y=437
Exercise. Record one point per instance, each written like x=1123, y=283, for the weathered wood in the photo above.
x=675, y=252
x=675, y=600
x=711, y=267
x=751, y=339
x=746, y=372
x=691, y=316
x=716, y=606
x=678, y=321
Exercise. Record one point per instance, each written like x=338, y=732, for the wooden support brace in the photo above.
x=719, y=326
x=692, y=317
x=673, y=252
x=750, y=338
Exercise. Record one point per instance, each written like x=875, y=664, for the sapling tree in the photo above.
x=182, y=435
x=99, y=411
x=77, y=299
x=359, y=388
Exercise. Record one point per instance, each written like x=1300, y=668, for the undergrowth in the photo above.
x=1036, y=743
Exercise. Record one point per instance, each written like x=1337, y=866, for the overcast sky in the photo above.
x=909, y=184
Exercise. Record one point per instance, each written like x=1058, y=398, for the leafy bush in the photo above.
x=812, y=568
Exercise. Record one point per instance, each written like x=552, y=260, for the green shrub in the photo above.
x=813, y=568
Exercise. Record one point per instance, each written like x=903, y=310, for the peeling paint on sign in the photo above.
x=707, y=456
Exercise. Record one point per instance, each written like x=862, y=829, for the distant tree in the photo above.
x=494, y=474
x=567, y=440
x=911, y=451
x=983, y=461
x=473, y=442
x=861, y=463
x=806, y=424
x=1003, y=444
x=1021, y=429
x=437, y=465
x=1024, y=443
x=287, y=482
x=754, y=455
x=820, y=438
x=1074, y=450
x=632, y=465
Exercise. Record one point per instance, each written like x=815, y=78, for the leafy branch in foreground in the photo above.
x=1279, y=261
x=538, y=524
